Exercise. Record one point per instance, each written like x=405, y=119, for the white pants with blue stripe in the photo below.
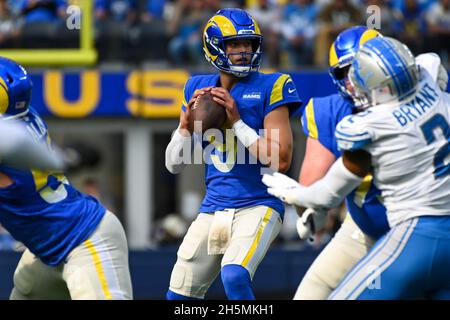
x=97, y=269
x=411, y=261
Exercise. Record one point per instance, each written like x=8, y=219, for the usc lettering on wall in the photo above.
x=137, y=93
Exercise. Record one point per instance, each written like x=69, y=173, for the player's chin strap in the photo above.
x=328, y=192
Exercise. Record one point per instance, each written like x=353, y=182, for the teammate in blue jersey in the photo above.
x=238, y=219
x=75, y=247
x=367, y=219
x=402, y=137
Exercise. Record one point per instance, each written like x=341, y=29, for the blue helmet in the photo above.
x=231, y=24
x=343, y=51
x=15, y=89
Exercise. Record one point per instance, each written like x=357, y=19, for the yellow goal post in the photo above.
x=86, y=54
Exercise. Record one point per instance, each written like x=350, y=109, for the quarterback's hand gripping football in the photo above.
x=283, y=187
x=311, y=221
x=184, y=116
x=224, y=98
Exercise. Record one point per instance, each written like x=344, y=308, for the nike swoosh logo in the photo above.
x=290, y=91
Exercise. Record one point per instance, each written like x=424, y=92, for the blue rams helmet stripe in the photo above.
x=228, y=24
x=15, y=89
x=342, y=52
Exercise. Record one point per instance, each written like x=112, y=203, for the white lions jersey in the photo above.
x=410, y=148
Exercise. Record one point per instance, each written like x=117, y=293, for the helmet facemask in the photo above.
x=253, y=58
x=339, y=74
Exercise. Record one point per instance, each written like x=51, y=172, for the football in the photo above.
x=208, y=112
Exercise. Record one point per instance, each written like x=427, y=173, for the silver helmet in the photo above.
x=384, y=71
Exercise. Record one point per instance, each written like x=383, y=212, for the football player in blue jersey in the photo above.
x=366, y=219
x=18, y=149
x=402, y=137
x=76, y=249
x=238, y=219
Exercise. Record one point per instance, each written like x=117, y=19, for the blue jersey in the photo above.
x=43, y=211
x=231, y=184
x=319, y=122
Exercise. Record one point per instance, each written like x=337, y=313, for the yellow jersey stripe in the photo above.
x=184, y=103
x=255, y=243
x=311, y=121
x=363, y=189
x=40, y=178
x=277, y=89
x=98, y=267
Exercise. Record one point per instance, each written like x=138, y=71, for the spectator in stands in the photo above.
x=268, y=14
x=298, y=31
x=333, y=18
x=42, y=22
x=438, y=23
x=409, y=25
x=422, y=4
x=43, y=11
x=114, y=18
x=154, y=9
x=116, y=10
x=10, y=25
x=185, y=29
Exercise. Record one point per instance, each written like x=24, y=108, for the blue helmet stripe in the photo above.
x=375, y=53
x=389, y=61
x=405, y=67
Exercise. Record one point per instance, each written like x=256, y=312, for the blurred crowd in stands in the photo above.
x=297, y=33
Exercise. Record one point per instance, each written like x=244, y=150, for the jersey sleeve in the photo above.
x=352, y=133
x=317, y=123
x=430, y=62
x=284, y=92
x=186, y=94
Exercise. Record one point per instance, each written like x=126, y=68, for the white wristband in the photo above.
x=246, y=135
x=174, y=151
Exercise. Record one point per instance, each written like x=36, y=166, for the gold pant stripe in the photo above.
x=258, y=237
x=99, y=269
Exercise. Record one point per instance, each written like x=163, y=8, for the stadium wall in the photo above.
x=277, y=277
x=139, y=93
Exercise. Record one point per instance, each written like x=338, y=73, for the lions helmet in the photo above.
x=342, y=52
x=384, y=71
x=15, y=89
x=231, y=24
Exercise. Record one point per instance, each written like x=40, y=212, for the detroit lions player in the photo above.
x=75, y=247
x=366, y=220
x=238, y=219
x=403, y=138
